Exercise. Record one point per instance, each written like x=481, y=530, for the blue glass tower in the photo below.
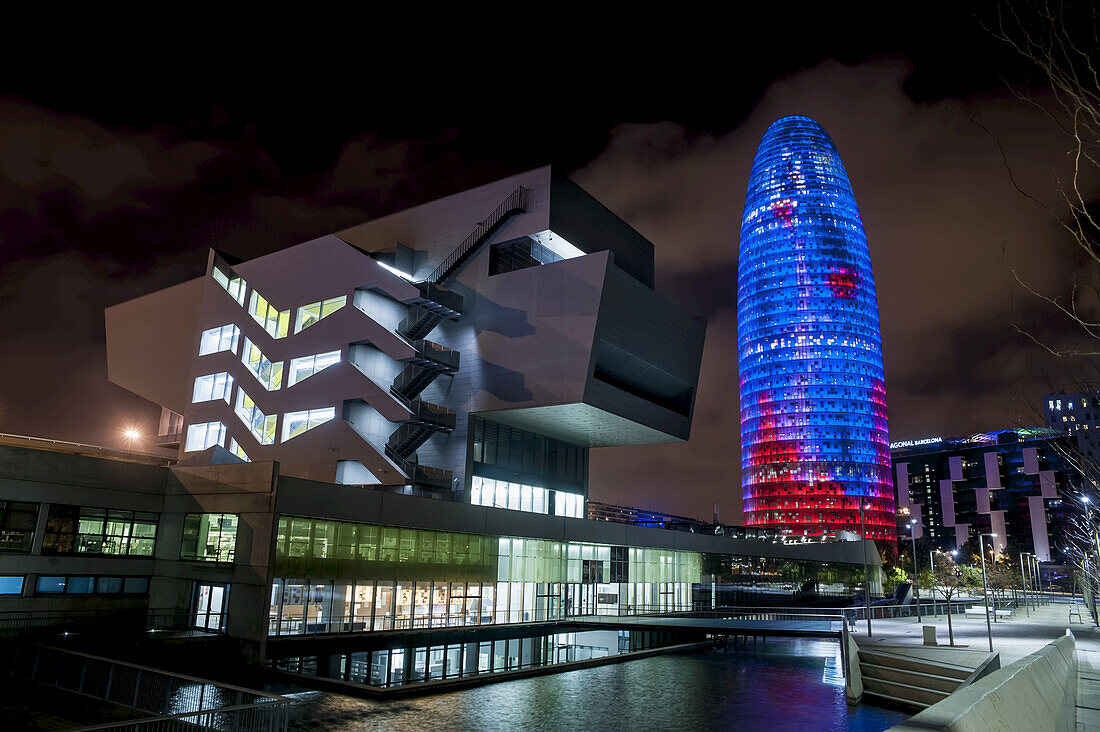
x=814, y=440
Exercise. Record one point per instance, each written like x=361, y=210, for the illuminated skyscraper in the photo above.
x=814, y=441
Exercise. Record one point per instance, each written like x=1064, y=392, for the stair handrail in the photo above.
x=516, y=201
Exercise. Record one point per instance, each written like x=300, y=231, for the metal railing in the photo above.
x=177, y=701
x=515, y=203
x=23, y=622
x=264, y=716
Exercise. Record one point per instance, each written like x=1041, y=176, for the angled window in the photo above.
x=269, y=374
x=295, y=423
x=275, y=322
x=236, y=450
x=204, y=435
x=235, y=287
x=262, y=426
x=310, y=314
x=219, y=339
x=303, y=368
x=213, y=386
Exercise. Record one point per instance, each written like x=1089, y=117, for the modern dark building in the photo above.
x=814, y=437
x=475, y=347
x=1076, y=415
x=1007, y=482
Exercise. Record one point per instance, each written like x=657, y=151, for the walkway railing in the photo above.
x=19, y=623
x=177, y=701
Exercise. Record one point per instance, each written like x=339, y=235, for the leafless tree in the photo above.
x=948, y=579
x=1060, y=41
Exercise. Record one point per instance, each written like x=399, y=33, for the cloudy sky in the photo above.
x=118, y=172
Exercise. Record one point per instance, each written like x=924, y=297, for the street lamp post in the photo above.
x=932, y=577
x=866, y=576
x=916, y=589
x=1089, y=575
x=1023, y=583
x=985, y=587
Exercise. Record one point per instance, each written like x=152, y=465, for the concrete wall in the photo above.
x=1036, y=693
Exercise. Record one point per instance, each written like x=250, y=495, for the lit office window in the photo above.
x=269, y=374
x=11, y=585
x=209, y=537
x=295, y=423
x=275, y=322
x=514, y=496
x=568, y=504
x=204, y=435
x=262, y=426
x=236, y=450
x=213, y=386
x=17, y=523
x=306, y=366
x=310, y=314
x=235, y=287
x=90, y=530
x=219, y=339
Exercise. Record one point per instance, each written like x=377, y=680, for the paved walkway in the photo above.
x=1013, y=639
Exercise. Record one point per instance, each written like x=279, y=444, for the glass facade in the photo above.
x=209, y=537
x=514, y=455
x=88, y=530
x=814, y=442
x=334, y=576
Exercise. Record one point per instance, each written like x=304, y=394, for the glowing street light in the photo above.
x=916, y=593
x=131, y=435
x=985, y=587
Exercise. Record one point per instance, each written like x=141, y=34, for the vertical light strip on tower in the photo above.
x=814, y=439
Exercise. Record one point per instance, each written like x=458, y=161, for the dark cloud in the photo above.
x=945, y=226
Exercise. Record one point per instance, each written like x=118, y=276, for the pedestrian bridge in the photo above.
x=754, y=623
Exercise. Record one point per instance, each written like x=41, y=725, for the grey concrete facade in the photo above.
x=579, y=349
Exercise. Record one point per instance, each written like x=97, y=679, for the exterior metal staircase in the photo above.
x=431, y=360
x=435, y=304
x=515, y=203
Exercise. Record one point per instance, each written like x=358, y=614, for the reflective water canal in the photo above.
x=786, y=684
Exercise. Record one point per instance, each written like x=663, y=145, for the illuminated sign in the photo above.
x=915, y=443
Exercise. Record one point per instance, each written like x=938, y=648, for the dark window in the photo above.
x=17, y=522
x=88, y=530
x=522, y=253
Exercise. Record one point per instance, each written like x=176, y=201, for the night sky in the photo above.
x=128, y=154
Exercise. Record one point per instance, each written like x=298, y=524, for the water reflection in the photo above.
x=400, y=666
x=774, y=687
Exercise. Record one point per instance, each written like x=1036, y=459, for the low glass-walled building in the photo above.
x=335, y=576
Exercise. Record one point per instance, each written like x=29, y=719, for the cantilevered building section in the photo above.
x=477, y=344
x=814, y=442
